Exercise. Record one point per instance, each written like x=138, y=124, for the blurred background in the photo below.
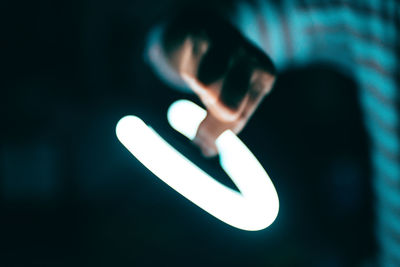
x=72, y=195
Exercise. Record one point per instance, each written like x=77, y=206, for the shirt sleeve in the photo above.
x=285, y=30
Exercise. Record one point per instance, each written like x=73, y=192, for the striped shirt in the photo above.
x=362, y=38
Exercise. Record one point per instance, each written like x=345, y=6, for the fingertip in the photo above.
x=205, y=148
x=209, y=152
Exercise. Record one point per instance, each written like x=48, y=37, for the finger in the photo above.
x=207, y=95
x=187, y=58
x=246, y=80
x=214, y=63
x=206, y=136
x=207, y=148
x=236, y=84
x=261, y=84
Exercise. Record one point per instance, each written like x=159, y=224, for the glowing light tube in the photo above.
x=254, y=208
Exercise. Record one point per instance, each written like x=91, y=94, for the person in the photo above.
x=228, y=59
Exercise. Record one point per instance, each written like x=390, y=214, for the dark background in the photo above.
x=72, y=195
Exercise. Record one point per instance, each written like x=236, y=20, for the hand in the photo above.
x=220, y=116
x=229, y=74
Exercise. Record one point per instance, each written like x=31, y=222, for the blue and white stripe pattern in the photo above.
x=363, y=39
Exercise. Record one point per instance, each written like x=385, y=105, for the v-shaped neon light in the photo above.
x=254, y=208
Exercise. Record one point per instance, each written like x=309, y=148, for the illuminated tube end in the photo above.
x=126, y=126
x=185, y=117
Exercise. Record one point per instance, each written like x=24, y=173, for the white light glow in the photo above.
x=254, y=208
